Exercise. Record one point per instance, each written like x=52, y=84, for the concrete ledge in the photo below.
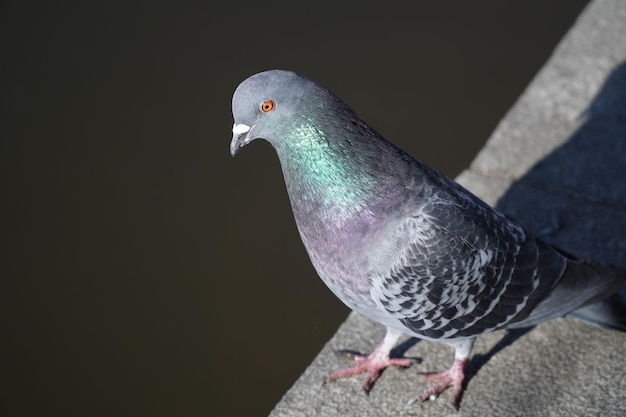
x=557, y=163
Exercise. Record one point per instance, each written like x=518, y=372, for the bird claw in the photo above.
x=433, y=392
x=374, y=364
x=452, y=377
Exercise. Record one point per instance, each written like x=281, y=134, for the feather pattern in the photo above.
x=462, y=268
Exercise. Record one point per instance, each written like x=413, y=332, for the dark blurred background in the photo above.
x=147, y=273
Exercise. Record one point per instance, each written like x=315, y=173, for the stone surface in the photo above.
x=556, y=163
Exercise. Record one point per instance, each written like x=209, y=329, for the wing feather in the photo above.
x=462, y=268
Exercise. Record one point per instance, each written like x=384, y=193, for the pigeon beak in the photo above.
x=241, y=137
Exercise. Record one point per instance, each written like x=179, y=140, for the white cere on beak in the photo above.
x=239, y=129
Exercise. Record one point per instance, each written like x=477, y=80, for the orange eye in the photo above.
x=267, y=106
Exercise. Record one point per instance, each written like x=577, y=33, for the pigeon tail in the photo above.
x=588, y=290
x=609, y=313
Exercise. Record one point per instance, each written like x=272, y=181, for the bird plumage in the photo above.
x=395, y=240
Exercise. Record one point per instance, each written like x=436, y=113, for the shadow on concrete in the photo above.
x=478, y=360
x=575, y=197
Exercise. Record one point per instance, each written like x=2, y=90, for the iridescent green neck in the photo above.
x=320, y=171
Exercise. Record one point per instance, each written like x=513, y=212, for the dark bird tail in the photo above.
x=609, y=313
x=607, y=285
x=587, y=290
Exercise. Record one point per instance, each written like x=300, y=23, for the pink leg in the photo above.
x=373, y=363
x=453, y=377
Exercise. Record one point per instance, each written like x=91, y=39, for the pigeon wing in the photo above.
x=462, y=268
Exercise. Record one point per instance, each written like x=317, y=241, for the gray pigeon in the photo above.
x=400, y=243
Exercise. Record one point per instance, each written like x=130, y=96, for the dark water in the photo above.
x=145, y=271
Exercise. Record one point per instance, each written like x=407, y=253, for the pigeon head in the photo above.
x=271, y=104
x=264, y=102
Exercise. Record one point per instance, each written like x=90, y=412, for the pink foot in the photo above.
x=453, y=377
x=374, y=363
